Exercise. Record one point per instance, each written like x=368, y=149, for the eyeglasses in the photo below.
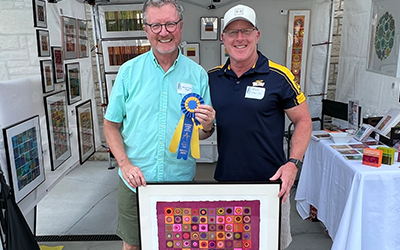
x=234, y=33
x=157, y=27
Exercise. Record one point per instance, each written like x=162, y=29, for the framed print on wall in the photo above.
x=192, y=50
x=221, y=26
x=73, y=82
x=84, y=118
x=384, y=44
x=58, y=64
x=69, y=37
x=209, y=215
x=83, y=39
x=110, y=79
x=209, y=28
x=57, y=125
x=46, y=69
x=296, y=54
x=121, y=20
x=224, y=54
x=115, y=53
x=39, y=13
x=43, y=42
x=24, y=156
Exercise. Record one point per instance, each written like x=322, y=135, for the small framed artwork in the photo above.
x=43, y=42
x=224, y=54
x=58, y=64
x=209, y=28
x=46, y=69
x=39, y=13
x=110, y=79
x=58, y=129
x=192, y=50
x=384, y=38
x=69, y=38
x=74, y=91
x=24, y=156
x=209, y=215
x=296, y=54
x=115, y=53
x=83, y=39
x=122, y=20
x=84, y=118
x=221, y=26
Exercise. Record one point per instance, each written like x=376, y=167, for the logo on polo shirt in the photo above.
x=258, y=83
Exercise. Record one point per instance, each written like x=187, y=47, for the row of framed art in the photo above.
x=53, y=72
x=23, y=143
x=74, y=33
x=126, y=20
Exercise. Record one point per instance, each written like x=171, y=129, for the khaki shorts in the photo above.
x=128, y=223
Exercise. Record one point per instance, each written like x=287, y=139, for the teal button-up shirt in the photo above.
x=147, y=101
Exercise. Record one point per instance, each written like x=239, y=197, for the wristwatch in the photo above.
x=211, y=130
x=296, y=162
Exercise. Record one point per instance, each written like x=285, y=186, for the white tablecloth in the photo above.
x=358, y=204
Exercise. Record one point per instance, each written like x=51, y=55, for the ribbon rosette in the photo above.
x=187, y=132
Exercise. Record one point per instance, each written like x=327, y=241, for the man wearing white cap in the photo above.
x=251, y=95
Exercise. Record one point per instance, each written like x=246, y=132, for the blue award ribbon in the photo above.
x=187, y=132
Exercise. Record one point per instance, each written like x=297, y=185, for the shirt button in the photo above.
x=237, y=82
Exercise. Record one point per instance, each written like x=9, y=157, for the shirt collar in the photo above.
x=261, y=66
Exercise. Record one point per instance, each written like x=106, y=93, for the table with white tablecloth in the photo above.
x=358, y=204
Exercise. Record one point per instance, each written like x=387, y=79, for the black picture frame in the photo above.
x=58, y=64
x=43, y=42
x=58, y=128
x=39, y=13
x=73, y=79
x=86, y=140
x=47, y=73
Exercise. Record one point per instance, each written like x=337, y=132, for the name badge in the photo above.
x=185, y=88
x=255, y=93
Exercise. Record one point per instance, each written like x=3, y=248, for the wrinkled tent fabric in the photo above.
x=18, y=235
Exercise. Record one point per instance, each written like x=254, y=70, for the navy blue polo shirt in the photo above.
x=250, y=118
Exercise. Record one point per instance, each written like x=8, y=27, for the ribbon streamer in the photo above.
x=187, y=132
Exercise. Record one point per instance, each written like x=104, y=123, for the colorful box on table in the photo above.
x=372, y=157
x=387, y=155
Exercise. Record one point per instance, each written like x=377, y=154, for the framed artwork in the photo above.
x=115, y=53
x=69, y=37
x=83, y=39
x=209, y=28
x=84, y=118
x=58, y=64
x=224, y=54
x=46, y=69
x=58, y=129
x=73, y=83
x=296, y=54
x=192, y=50
x=221, y=26
x=39, y=13
x=110, y=79
x=24, y=156
x=122, y=20
x=209, y=215
x=384, y=44
x=43, y=42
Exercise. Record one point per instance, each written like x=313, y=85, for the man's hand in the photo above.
x=133, y=175
x=287, y=173
x=205, y=114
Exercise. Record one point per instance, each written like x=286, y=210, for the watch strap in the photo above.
x=296, y=162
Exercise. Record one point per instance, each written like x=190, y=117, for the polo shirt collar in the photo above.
x=261, y=66
x=156, y=64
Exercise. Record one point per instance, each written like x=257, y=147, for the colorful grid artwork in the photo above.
x=26, y=157
x=385, y=36
x=201, y=225
x=59, y=128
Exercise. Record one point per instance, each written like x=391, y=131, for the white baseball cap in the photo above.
x=240, y=12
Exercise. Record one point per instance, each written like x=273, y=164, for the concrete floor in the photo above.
x=85, y=203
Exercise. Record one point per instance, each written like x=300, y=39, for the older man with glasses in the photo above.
x=145, y=108
x=251, y=95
